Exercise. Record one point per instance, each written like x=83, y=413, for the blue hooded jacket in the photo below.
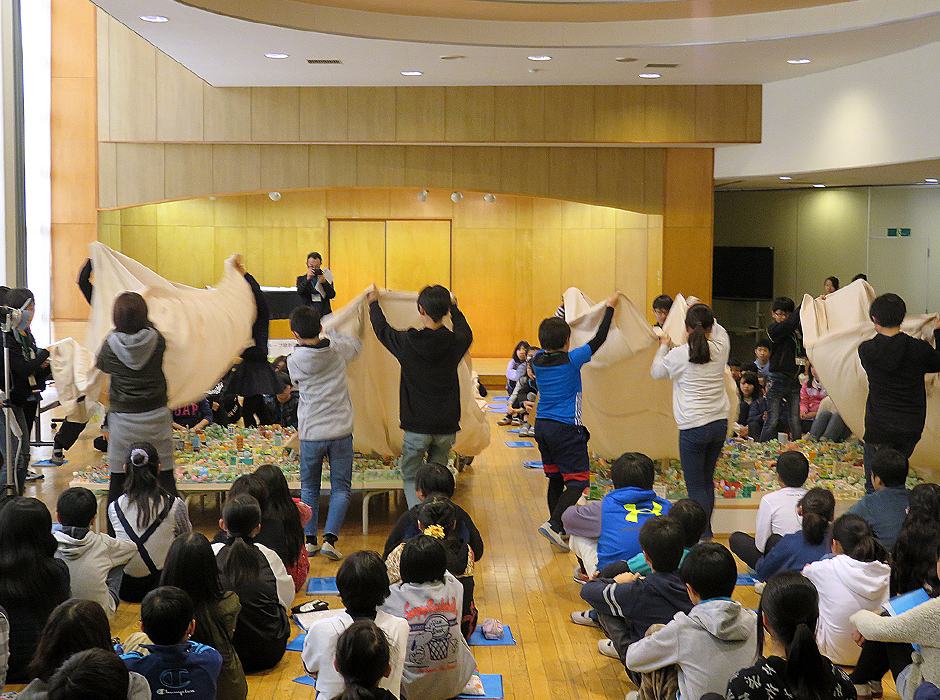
x=623, y=512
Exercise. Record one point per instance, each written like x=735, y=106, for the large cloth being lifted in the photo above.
x=625, y=409
x=205, y=329
x=833, y=328
x=374, y=378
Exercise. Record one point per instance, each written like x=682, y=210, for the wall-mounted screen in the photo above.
x=743, y=272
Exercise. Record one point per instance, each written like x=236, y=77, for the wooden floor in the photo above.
x=520, y=580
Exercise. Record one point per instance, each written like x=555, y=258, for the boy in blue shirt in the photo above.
x=175, y=666
x=559, y=432
x=886, y=507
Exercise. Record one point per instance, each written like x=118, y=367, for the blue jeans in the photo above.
x=417, y=448
x=782, y=386
x=339, y=452
x=699, y=449
x=830, y=426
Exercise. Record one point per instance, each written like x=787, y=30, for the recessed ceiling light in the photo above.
x=539, y=58
x=785, y=177
x=650, y=76
x=798, y=61
x=454, y=57
x=276, y=55
x=157, y=19
x=624, y=59
x=931, y=180
x=818, y=185
x=411, y=72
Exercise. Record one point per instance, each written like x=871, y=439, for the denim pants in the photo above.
x=339, y=452
x=417, y=448
x=782, y=386
x=830, y=426
x=699, y=449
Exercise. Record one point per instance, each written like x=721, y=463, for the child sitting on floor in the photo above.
x=96, y=561
x=363, y=659
x=629, y=603
x=438, y=663
x=516, y=366
x=710, y=643
x=856, y=578
x=167, y=617
x=886, y=506
x=362, y=582
x=776, y=514
x=434, y=479
x=811, y=543
x=606, y=531
x=437, y=517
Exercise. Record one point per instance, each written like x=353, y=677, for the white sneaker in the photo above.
x=759, y=587
x=632, y=695
x=312, y=548
x=331, y=552
x=606, y=647
x=583, y=617
x=546, y=531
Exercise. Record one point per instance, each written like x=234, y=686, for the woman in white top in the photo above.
x=149, y=517
x=699, y=400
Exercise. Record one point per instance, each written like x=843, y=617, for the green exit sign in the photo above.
x=902, y=232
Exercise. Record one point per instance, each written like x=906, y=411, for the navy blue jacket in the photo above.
x=791, y=552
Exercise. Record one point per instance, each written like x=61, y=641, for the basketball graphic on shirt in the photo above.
x=438, y=627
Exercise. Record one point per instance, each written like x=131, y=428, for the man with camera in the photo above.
x=316, y=287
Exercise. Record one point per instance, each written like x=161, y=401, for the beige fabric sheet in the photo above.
x=625, y=409
x=374, y=377
x=833, y=328
x=73, y=369
x=205, y=329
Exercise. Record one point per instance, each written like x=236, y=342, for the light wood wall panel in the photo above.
x=357, y=255
x=188, y=170
x=516, y=255
x=417, y=253
x=284, y=165
x=137, y=80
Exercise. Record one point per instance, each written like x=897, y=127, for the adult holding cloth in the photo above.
x=316, y=287
x=699, y=400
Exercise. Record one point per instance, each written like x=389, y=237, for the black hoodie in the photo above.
x=897, y=399
x=429, y=393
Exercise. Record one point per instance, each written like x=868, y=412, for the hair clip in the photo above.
x=435, y=531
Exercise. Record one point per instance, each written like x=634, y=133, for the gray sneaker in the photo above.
x=331, y=552
x=553, y=537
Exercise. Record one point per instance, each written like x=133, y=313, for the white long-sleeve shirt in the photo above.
x=698, y=392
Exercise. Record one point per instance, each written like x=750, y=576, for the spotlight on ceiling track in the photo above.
x=456, y=197
x=489, y=197
x=275, y=196
x=423, y=196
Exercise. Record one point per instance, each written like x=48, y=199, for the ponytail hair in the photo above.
x=142, y=488
x=437, y=517
x=362, y=659
x=790, y=604
x=857, y=538
x=819, y=507
x=699, y=320
x=241, y=515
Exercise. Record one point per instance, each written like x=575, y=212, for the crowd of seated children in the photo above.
x=606, y=531
x=627, y=604
x=150, y=517
x=437, y=518
x=432, y=480
x=95, y=560
x=264, y=588
x=167, y=617
x=516, y=366
x=363, y=585
x=191, y=567
x=886, y=506
x=810, y=543
x=698, y=652
x=776, y=513
x=438, y=662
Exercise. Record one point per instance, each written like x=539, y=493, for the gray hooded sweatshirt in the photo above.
x=135, y=363
x=325, y=411
x=90, y=556
x=713, y=642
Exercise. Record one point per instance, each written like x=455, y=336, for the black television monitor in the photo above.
x=743, y=272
